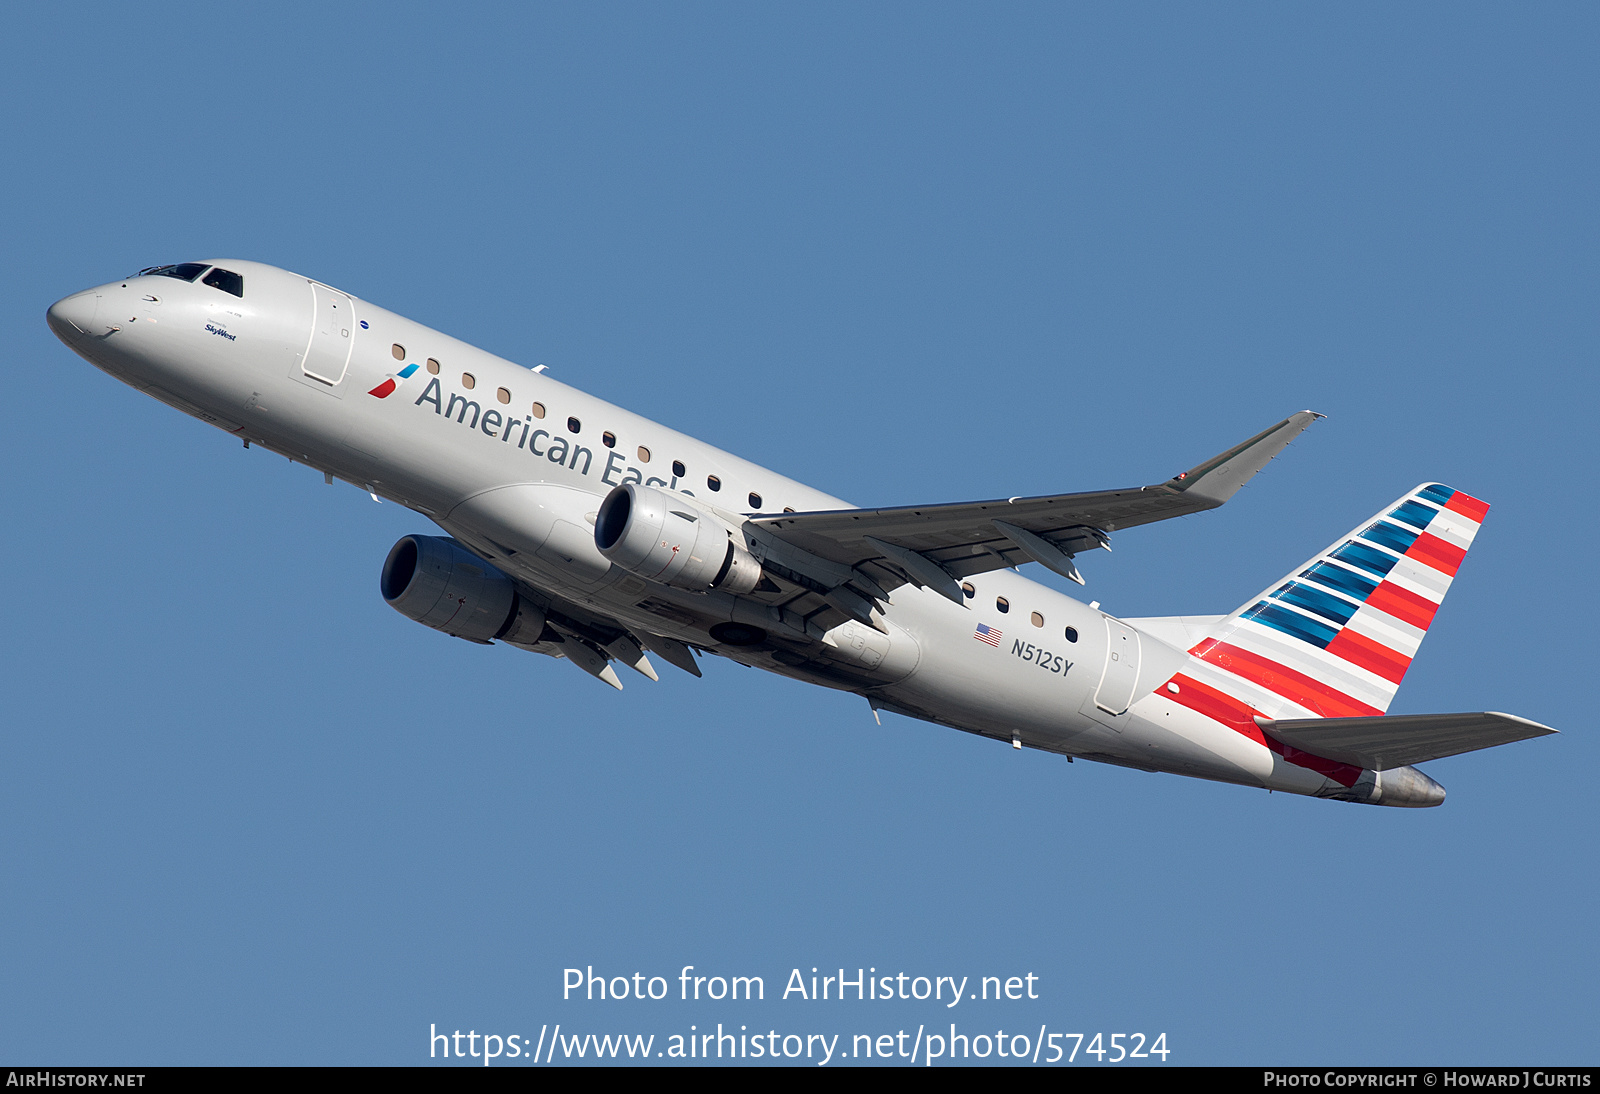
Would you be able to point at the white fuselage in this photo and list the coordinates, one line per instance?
(515, 464)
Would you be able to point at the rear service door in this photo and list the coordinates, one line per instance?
(1115, 694)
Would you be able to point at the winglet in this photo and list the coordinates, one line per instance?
(1220, 477)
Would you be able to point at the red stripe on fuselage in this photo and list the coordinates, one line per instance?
(1441, 555)
(1358, 649)
(1468, 506)
(1403, 604)
(1219, 706)
(1343, 774)
(1239, 716)
(1295, 686)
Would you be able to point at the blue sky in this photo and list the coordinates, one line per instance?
(907, 253)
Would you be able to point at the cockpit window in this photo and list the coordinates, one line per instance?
(226, 280)
(183, 271)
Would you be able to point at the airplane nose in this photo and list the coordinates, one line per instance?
(72, 317)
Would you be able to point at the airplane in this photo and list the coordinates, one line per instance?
(581, 531)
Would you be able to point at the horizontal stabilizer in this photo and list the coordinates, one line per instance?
(1384, 743)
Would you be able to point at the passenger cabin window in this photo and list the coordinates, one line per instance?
(967, 590)
(502, 394)
(1071, 634)
(1001, 604)
(433, 366)
(788, 508)
(755, 500)
(468, 381)
(1037, 619)
(538, 410)
(678, 469)
(226, 280)
(183, 271)
(609, 439)
(574, 426)
(398, 351)
(644, 454)
(713, 482)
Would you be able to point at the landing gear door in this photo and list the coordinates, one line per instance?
(1115, 693)
(333, 327)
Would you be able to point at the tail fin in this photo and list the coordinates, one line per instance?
(1335, 637)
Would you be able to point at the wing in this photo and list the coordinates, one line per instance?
(824, 568)
(935, 545)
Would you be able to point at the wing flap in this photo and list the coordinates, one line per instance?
(1397, 740)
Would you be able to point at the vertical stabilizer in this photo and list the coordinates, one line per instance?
(1334, 638)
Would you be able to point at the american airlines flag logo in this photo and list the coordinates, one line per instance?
(986, 633)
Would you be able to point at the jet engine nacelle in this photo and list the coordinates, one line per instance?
(673, 539)
(441, 585)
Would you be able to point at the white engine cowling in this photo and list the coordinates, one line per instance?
(441, 585)
(672, 539)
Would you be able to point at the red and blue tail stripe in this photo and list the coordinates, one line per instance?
(1335, 638)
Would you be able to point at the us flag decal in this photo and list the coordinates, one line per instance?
(986, 633)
